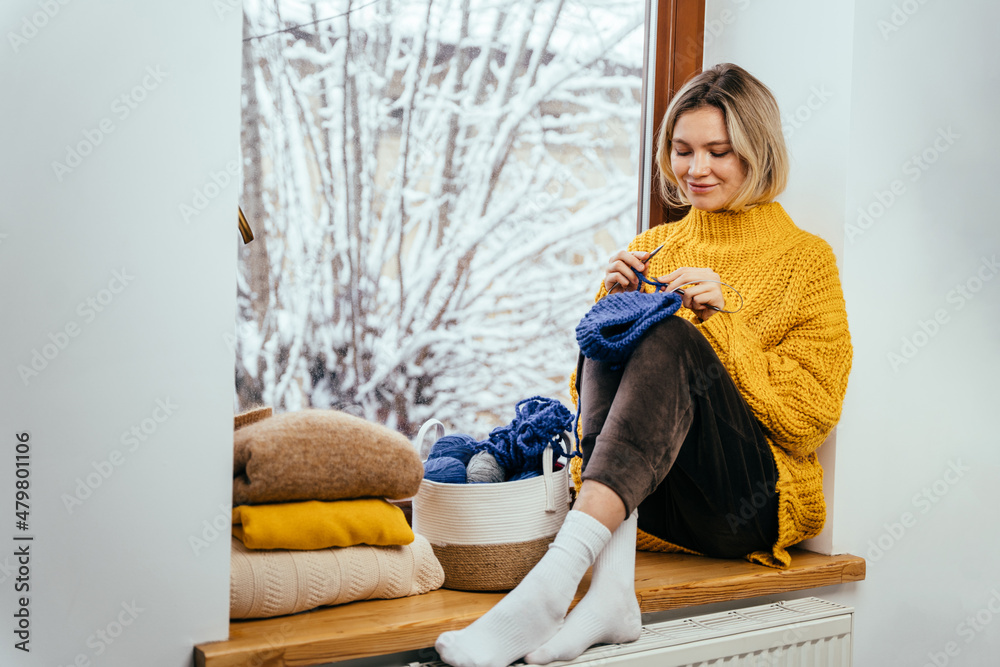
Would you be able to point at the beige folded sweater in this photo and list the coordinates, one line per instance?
(321, 455)
(277, 582)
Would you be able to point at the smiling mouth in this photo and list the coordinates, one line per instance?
(704, 187)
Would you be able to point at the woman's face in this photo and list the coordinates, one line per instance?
(708, 171)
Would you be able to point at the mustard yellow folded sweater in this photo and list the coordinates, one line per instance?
(319, 525)
(788, 351)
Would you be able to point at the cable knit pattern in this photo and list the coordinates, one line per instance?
(788, 351)
(275, 582)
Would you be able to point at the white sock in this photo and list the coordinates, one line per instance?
(609, 612)
(531, 613)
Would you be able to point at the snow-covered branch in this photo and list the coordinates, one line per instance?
(439, 183)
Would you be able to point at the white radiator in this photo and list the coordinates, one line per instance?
(799, 633)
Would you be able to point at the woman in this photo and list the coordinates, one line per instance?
(710, 428)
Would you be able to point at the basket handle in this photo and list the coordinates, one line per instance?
(422, 448)
(549, 477)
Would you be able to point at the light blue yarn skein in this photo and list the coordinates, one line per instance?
(483, 468)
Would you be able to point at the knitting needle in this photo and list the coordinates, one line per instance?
(681, 292)
(676, 290)
(656, 250)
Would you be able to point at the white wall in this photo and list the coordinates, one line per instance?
(115, 315)
(814, 95)
(917, 457)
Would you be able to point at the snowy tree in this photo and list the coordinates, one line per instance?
(436, 186)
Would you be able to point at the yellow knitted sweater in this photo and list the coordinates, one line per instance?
(788, 350)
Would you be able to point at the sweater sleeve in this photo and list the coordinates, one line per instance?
(796, 387)
(640, 242)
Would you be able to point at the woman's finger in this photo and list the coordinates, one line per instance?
(619, 278)
(706, 296)
(685, 275)
(673, 275)
(679, 282)
(620, 268)
(689, 276)
(633, 259)
(627, 264)
(616, 281)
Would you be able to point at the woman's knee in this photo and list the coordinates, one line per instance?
(675, 341)
(677, 333)
(674, 327)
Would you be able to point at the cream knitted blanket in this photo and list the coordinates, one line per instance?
(276, 582)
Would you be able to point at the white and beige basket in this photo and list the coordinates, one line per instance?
(488, 536)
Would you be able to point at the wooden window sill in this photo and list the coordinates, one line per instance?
(378, 627)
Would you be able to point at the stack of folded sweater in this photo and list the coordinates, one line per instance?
(311, 524)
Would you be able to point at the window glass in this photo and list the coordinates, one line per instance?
(436, 187)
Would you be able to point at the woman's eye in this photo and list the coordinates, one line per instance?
(722, 154)
(682, 153)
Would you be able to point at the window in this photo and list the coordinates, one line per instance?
(432, 184)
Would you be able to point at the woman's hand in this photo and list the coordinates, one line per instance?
(698, 297)
(622, 268)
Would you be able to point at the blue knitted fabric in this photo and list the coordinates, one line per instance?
(614, 325)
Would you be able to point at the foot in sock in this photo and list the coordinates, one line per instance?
(531, 613)
(609, 612)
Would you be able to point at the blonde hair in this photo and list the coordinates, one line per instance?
(754, 126)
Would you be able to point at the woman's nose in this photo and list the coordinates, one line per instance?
(699, 165)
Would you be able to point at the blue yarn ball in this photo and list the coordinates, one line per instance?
(458, 446)
(444, 469)
(525, 474)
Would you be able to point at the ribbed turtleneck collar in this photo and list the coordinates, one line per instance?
(761, 224)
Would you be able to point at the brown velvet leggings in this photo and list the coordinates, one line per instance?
(669, 432)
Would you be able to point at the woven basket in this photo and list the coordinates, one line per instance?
(488, 536)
